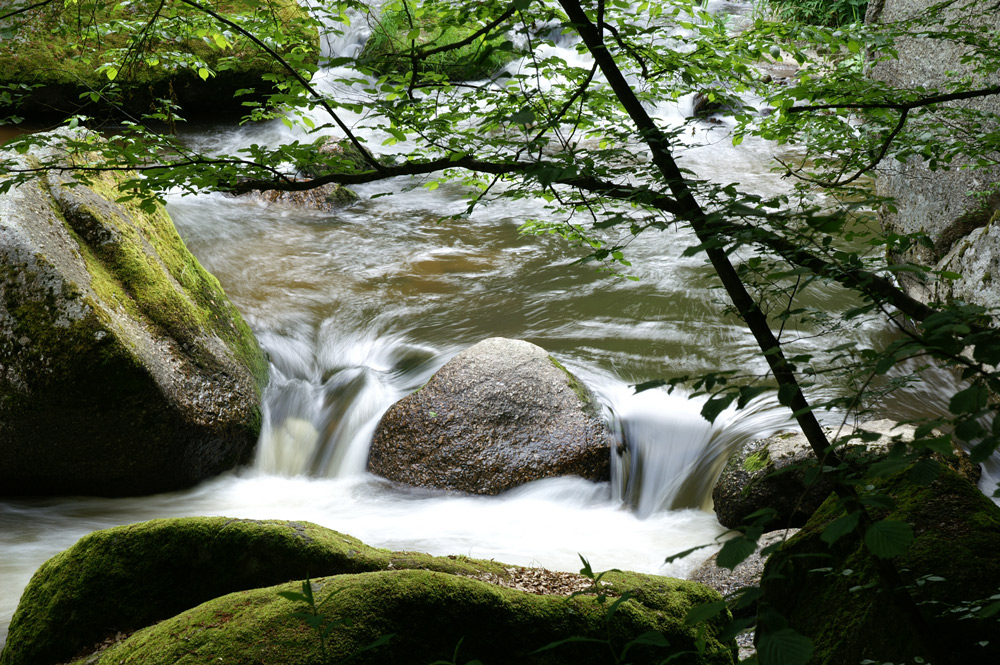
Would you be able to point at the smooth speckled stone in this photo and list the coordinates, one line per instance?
(500, 414)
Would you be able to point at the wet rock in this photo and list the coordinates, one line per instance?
(324, 198)
(832, 593)
(746, 574)
(124, 369)
(773, 473)
(782, 473)
(957, 206)
(498, 415)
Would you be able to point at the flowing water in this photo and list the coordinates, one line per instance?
(359, 307)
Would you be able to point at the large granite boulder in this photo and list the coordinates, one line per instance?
(499, 414)
(780, 472)
(832, 593)
(117, 581)
(65, 55)
(956, 207)
(124, 369)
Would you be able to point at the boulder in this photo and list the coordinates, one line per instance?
(55, 49)
(732, 583)
(832, 594)
(124, 369)
(416, 616)
(499, 414)
(115, 582)
(324, 198)
(121, 579)
(746, 574)
(773, 473)
(952, 206)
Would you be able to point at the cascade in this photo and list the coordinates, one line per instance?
(359, 307)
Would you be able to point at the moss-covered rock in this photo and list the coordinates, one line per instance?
(435, 24)
(124, 369)
(68, 53)
(431, 617)
(497, 415)
(832, 594)
(122, 579)
(781, 473)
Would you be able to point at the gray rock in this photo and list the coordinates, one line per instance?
(939, 202)
(500, 414)
(123, 367)
(771, 473)
(727, 582)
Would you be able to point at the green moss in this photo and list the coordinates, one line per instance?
(582, 392)
(140, 261)
(128, 577)
(387, 51)
(61, 45)
(757, 461)
(832, 593)
(125, 578)
(428, 613)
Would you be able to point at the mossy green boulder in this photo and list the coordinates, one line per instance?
(123, 579)
(422, 617)
(402, 29)
(115, 59)
(832, 594)
(125, 369)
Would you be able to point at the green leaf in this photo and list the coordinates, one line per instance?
(713, 407)
(784, 647)
(684, 553)
(888, 538)
(705, 611)
(990, 610)
(840, 527)
(111, 73)
(203, 73)
(523, 117)
(925, 471)
(735, 551)
(971, 400)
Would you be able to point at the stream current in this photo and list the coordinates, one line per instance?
(358, 307)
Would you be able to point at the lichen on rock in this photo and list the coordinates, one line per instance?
(124, 369)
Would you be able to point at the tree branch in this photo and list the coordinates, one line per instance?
(901, 106)
(22, 10)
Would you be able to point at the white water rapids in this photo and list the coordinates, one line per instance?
(359, 307)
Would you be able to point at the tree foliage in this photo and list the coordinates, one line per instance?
(581, 135)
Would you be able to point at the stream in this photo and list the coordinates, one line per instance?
(358, 307)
